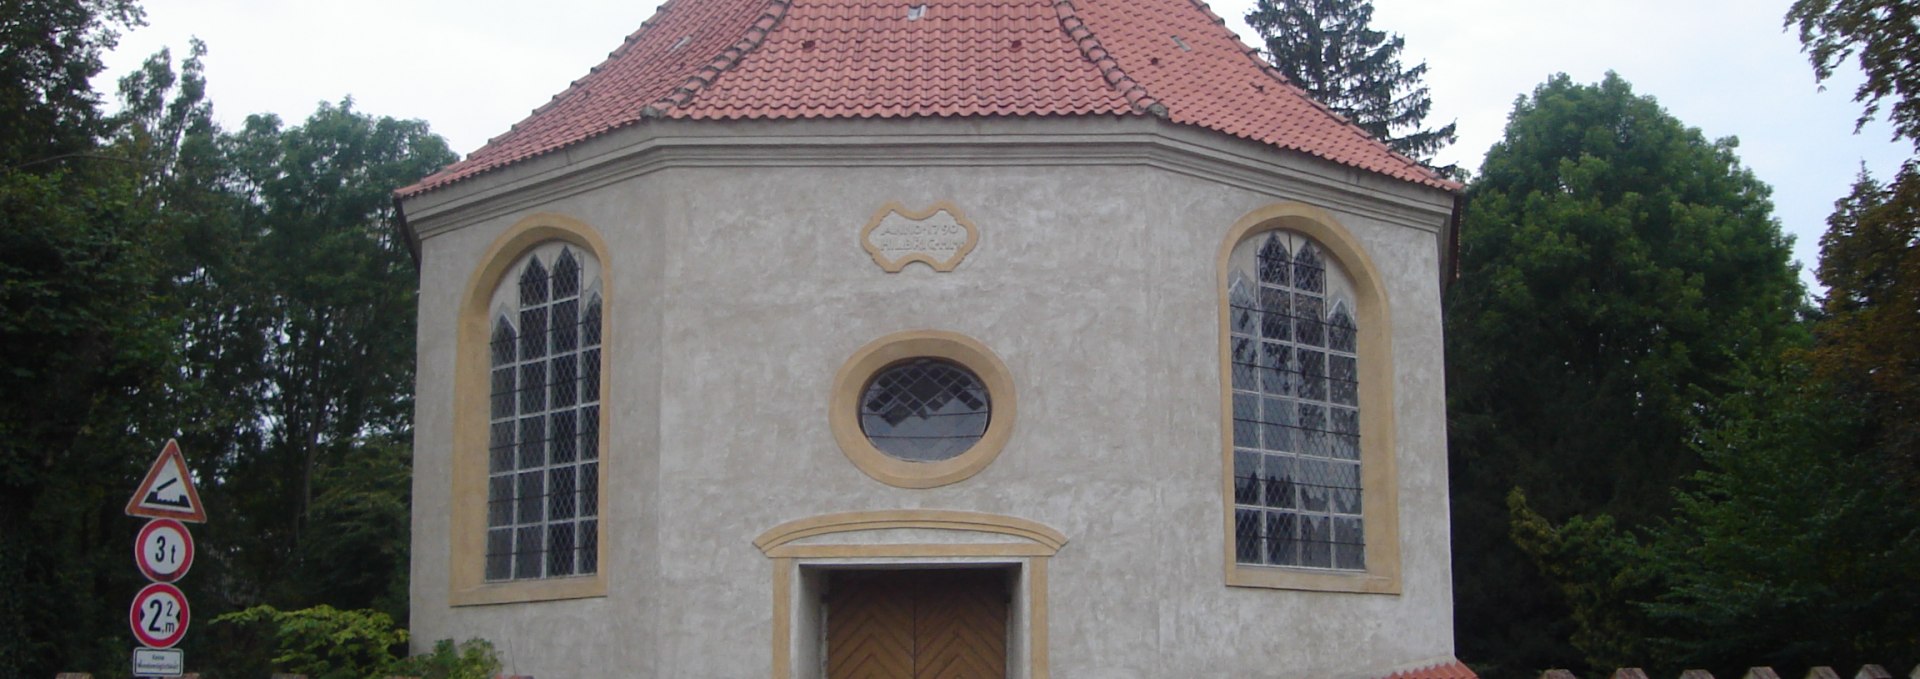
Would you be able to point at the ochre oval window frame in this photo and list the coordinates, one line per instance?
(843, 412)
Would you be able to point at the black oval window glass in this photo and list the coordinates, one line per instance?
(924, 410)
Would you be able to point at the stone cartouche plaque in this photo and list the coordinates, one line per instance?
(940, 236)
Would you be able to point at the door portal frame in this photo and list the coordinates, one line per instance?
(802, 551)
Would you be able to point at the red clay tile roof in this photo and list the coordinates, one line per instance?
(1452, 670)
(790, 59)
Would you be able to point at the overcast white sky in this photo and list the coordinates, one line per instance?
(472, 68)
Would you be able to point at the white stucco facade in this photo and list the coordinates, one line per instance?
(738, 287)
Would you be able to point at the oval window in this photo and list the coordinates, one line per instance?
(925, 410)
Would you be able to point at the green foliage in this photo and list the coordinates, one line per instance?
(1329, 49)
(1790, 549)
(1620, 275)
(160, 277)
(1597, 569)
(471, 659)
(320, 480)
(356, 549)
(323, 642)
(1884, 35)
(1869, 342)
(49, 50)
(86, 349)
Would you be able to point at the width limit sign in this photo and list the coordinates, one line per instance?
(159, 615)
(164, 552)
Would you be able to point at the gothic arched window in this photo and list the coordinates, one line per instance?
(543, 461)
(1295, 390)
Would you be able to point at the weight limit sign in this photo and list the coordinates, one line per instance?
(163, 550)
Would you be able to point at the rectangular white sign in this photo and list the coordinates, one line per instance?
(158, 662)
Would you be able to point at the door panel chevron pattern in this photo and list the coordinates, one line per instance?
(960, 628)
(869, 628)
(917, 625)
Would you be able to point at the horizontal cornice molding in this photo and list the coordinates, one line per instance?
(667, 145)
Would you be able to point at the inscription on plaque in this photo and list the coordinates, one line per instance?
(940, 236)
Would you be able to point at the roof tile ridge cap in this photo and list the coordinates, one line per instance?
(1082, 36)
(697, 83)
(1253, 54)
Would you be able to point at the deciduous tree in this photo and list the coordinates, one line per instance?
(1869, 341)
(1619, 275)
(1791, 548)
(1883, 37)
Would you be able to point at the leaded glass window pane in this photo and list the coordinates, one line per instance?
(1245, 307)
(1276, 374)
(1293, 344)
(503, 343)
(566, 436)
(560, 549)
(1247, 368)
(1343, 382)
(533, 284)
(1308, 321)
(590, 489)
(1246, 420)
(504, 386)
(1346, 433)
(543, 481)
(1342, 334)
(527, 550)
(590, 327)
(533, 442)
(1282, 492)
(533, 333)
(590, 433)
(1247, 477)
(1349, 545)
(1283, 538)
(566, 275)
(1309, 271)
(1277, 431)
(1313, 484)
(564, 381)
(533, 386)
(500, 554)
(1274, 261)
(1276, 312)
(500, 448)
(1248, 535)
(566, 326)
(500, 506)
(924, 410)
(588, 551)
(1316, 545)
(1312, 367)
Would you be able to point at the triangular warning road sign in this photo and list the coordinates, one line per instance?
(167, 492)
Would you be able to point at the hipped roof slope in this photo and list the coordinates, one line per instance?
(796, 59)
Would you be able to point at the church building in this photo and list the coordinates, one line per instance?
(889, 339)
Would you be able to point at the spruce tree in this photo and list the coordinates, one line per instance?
(1329, 49)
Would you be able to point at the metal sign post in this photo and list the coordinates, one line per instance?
(164, 553)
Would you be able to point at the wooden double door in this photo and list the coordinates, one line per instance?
(917, 624)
